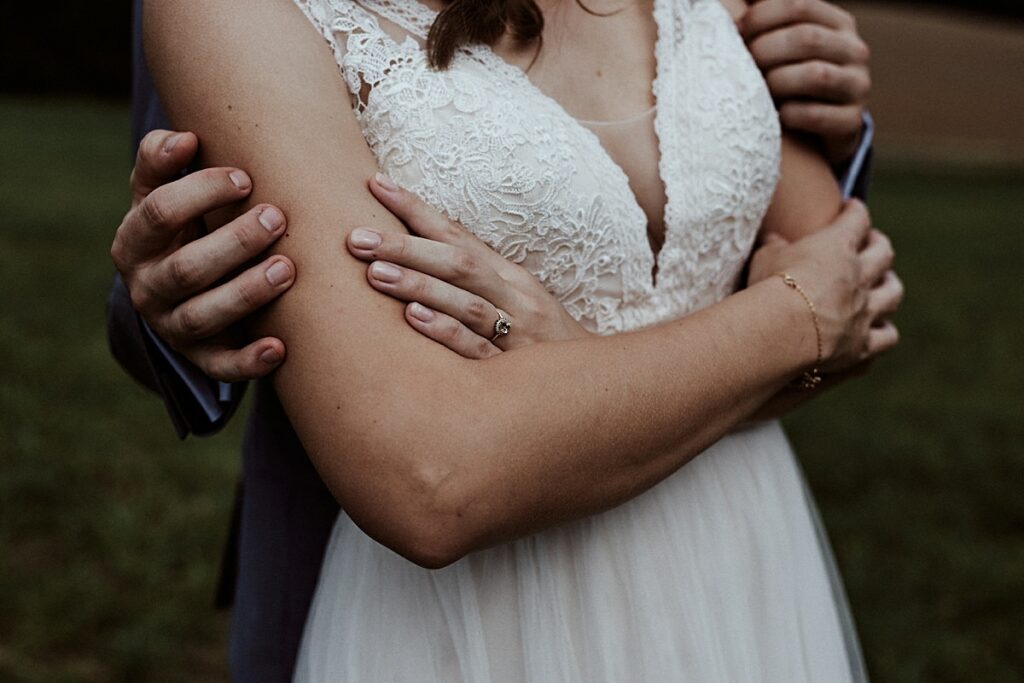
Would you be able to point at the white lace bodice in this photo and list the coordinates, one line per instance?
(482, 143)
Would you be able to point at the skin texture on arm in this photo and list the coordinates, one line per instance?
(432, 454)
(807, 197)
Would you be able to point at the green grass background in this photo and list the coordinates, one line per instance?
(111, 530)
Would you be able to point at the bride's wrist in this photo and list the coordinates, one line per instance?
(796, 325)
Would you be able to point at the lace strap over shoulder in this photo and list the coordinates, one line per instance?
(411, 15)
(336, 19)
(363, 48)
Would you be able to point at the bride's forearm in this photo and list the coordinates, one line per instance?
(553, 432)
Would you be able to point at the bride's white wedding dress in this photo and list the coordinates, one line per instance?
(719, 573)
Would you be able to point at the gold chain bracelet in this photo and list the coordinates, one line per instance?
(810, 380)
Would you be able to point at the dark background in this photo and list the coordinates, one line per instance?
(83, 48)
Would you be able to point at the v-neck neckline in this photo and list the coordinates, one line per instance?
(419, 21)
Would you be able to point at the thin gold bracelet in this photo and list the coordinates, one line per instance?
(810, 379)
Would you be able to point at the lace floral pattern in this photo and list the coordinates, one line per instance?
(481, 143)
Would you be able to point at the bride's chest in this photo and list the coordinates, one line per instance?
(481, 142)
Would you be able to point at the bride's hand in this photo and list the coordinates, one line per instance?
(453, 283)
(845, 270)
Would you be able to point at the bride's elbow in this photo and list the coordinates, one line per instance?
(427, 519)
(431, 548)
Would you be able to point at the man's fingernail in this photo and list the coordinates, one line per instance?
(385, 182)
(278, 274)
(362, 238)
(240, 179)
(420, 312)
(271, 219)
(171, 143)
(271, 357)
(385, 272)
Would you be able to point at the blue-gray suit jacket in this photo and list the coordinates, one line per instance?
(284, 513)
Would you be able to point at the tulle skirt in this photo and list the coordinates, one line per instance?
(719, 573)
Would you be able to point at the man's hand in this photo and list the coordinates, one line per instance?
(816, 65)
(185, 284)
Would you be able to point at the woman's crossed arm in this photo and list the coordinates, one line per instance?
(432, 454)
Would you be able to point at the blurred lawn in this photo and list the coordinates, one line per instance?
(111, 530)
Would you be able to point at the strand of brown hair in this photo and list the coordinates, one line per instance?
(469, 22)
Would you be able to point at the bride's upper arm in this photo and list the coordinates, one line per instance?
(260, 87)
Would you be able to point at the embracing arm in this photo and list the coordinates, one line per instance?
(792, 217)
(432, 454)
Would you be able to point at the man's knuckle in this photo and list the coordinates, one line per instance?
(185, 273)
(900, 290)
(207, 362)
(849, 118)
(249, 296)
(800, 116)
(801, 9)
(247, 239)
(822, 75)
(861, 52)
(810, 38)
(191, 322)
(117, 250)
(814, 116)
(862, 86)
(155, 211)
(888, 252)
(228, 367)
(140, 298)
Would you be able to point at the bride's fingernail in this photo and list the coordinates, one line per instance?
(385, 272)
(385, 182)
(362, 238)
(421, 313)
